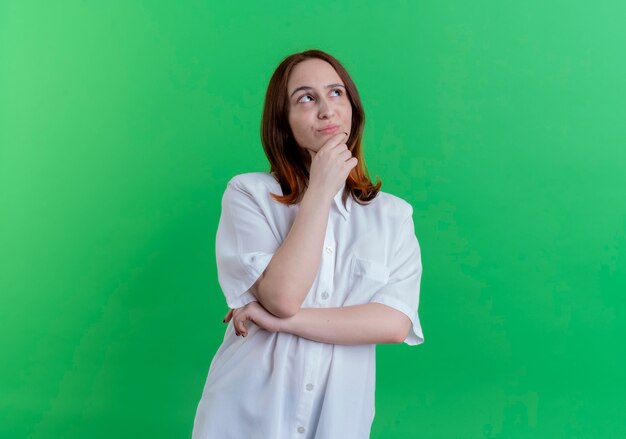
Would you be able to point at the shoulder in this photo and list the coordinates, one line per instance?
(254, 183)
(392, 206)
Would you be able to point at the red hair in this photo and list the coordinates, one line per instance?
(288, 161)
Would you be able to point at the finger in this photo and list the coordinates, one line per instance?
(345, 155)
(335, 140)
(352, 162)
(235, 327)
(229, 315)
(244, 330)
(338, 139)
(236, 317)
(239, 326)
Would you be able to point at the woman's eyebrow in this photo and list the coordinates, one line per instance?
(306, 87)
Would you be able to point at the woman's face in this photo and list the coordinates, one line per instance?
(318, 104)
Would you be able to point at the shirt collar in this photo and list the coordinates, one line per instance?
(343, 210)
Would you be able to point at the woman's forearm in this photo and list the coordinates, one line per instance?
(288, 277)
(291, 272)
(371, 323)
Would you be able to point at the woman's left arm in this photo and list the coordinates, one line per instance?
(370, 323)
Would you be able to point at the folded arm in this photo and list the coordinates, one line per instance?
(371, 323)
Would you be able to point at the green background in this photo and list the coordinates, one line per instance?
(502, 124)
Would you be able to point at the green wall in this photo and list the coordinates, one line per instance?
(502, 124)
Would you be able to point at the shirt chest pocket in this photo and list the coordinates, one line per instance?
(366, 278)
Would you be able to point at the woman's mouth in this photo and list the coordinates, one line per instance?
(330, 129)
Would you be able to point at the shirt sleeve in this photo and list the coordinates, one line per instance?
(245, 244)
(403, 289)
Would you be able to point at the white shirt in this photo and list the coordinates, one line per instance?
(279, 385)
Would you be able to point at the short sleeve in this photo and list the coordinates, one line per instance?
(245, 243)
(403, 289)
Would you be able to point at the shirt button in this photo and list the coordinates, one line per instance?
(324, 295)
(301, 429)
(309, 387)
(329, 250)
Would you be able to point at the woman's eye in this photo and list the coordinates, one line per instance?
(303, 98)
(338, 91)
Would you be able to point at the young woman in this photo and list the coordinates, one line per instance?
(317, 265)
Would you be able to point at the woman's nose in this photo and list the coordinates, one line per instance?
(326, 109)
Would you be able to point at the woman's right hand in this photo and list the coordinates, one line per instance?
(331, 165)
